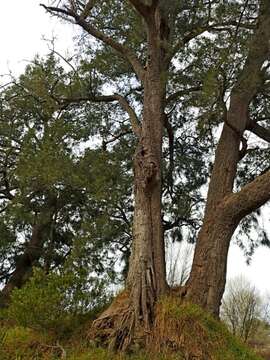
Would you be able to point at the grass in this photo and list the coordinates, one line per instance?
(181, 332)
(190, 331)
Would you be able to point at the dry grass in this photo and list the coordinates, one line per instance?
(265, 354)
(187, 330)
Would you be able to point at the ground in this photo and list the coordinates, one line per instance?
(181, 332)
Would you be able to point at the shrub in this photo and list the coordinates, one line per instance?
(53, 302)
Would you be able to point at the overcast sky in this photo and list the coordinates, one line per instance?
(23, 24)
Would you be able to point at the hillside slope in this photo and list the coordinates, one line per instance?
(181, 332)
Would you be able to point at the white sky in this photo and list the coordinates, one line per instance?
(23, 23)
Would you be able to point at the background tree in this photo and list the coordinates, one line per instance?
(242, 308)
(54, 196)
(179, 262)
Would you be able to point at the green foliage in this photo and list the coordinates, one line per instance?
(46, 157)
(43, 141)
(53, 302)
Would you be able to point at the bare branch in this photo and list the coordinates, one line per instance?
(121, 49)
(223, 26)
(114, 138)
(53, 9)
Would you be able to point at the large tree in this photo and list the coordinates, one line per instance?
(156, 48)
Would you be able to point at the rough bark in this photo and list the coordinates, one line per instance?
(146, 277)
(146, 280)
(208, 276)
(25, 262)
(224, 209)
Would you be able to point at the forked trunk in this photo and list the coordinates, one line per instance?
(208, 274)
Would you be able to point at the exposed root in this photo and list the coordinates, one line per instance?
(127, 322)
(123, 334)
(115, 326)
(119, 327)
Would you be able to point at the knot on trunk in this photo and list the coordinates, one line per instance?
(146, 167)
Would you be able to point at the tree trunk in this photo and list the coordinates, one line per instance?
(208, 276)
(146, 277)
(146, 280)
(225, 209)
(25, 262)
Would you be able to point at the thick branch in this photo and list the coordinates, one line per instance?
(121, 49)
(251, 197)
(236, 121)
(132, 115)
(260, 131)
